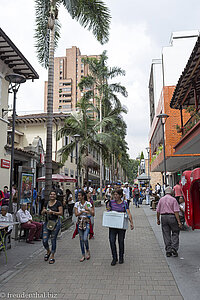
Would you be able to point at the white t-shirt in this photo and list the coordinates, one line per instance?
(126, 192)
(70, 201)
(81, 207)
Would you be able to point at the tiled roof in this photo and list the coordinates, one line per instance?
(14, 59)
(39, 118)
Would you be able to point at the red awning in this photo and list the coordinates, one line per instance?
(59, 178)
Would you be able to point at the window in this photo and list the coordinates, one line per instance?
(66, 140)
(81, 71)
(67, 89)
(72, 153)
(66, 95)
(82, 65)
(66, 171)
(66, 83)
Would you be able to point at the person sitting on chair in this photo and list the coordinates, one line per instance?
(6, 217)
(26, 221)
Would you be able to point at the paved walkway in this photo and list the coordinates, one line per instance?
(144, 275)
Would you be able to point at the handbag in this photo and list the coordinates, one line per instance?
(51, 224)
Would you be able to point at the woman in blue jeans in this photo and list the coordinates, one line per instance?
(120, 206)
(83, 209)
(52, 211)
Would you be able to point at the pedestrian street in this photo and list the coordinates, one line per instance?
(144, 275)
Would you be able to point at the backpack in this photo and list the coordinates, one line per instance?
(136, 192)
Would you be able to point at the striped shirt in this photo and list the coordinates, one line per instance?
(118, 207)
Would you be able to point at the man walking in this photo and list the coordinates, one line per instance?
(126, 192)
(169, 209)
(136, 195)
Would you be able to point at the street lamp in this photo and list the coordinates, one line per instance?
(148, 151)
(77, 138)
(163, 118)
(15, 80)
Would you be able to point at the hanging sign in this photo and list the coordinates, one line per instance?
(5, 164)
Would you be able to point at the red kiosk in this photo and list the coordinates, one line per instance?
(190, 182)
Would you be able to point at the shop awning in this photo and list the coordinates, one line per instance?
(58, 178)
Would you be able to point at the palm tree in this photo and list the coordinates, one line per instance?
(83, 124)
(107, 100)
(91, 14)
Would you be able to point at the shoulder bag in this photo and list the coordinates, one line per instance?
(51, 224)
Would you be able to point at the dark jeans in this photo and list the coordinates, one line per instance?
(113, 232)
(136, 200)
(70, 209)
(51, 233)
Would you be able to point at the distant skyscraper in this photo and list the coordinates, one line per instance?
(68, 71)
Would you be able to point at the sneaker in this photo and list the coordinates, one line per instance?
(174, 252)
(168, 254)
(113, 263)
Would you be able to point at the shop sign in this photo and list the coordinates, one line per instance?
(5, 164)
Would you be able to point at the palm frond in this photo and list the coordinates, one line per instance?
(66, 150)
(118, 88)
(42, 32)
(92, 14)
(116, 71)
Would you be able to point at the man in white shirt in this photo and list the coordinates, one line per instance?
(6, 217)
(126, 192)
(25, 218)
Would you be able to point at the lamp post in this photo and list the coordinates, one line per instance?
(163, 118)
(77, 137)
(148, 151)
(15, 80)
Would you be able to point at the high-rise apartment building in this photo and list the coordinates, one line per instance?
(68, 71)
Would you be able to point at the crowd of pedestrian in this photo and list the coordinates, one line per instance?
(170, 214)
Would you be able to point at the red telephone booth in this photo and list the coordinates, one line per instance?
(185, 184)
(190, 182)
(195, 197)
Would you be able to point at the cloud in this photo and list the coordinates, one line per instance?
(139, 30)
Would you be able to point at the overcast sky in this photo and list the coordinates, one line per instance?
(139, 30)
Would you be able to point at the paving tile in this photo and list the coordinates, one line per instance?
(145, 274)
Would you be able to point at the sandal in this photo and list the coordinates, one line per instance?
(46, 257)
(82, 259)
(51, 261)
(88, 256)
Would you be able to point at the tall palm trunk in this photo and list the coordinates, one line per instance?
(48, 171)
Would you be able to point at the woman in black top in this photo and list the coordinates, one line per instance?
(52, 210)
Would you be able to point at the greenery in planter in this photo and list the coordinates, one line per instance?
(156, 154)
